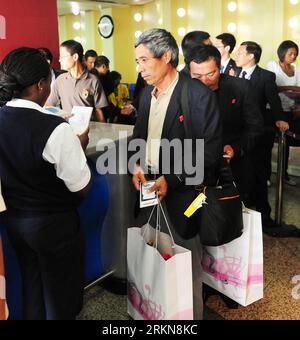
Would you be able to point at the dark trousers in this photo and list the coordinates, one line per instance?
(50, 250)
(260, 164)
(240, 173)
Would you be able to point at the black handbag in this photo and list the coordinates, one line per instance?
(220, 220)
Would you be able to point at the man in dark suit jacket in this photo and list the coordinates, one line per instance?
(241, 118)
(225, 43)
(263, 81)
(160, 117)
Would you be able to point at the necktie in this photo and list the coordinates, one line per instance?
(244, 73)
(222, 69)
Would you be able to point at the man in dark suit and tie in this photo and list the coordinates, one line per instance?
(263, 81)
(225, 43)
(160, 118)
(241, 118)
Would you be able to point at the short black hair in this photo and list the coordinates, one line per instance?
(102, 60)
(115, 75)
(90, 53)
(228, 39)
(201, 54)
(253, 48)
(284, 47)
(193, 39)
(74, 47)
(46, 53)
(20, 69)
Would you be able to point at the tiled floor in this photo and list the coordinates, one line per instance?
(282, 263)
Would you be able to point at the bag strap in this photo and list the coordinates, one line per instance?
(158, 224)
(187, 122)
(186, 109)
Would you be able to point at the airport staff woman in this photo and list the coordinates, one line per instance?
(44, 174)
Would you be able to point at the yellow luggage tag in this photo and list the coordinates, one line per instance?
(197, 204)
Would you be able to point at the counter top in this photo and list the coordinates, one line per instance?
(107, 131)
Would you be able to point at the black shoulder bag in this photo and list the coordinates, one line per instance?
(220, 220)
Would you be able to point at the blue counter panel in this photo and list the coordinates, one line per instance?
(92, 214)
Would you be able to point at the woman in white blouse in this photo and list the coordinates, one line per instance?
(288, 82)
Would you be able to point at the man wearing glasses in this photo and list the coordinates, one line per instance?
(160, 117)
(225, 43)
(241, 118)
(78, 87)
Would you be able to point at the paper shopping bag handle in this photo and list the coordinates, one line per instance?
(158, 224)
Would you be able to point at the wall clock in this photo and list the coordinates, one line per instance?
(106, 26)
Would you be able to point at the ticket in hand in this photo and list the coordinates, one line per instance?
(148, 199)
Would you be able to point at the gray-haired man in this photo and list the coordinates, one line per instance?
(160, 117)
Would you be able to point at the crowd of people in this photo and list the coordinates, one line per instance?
(236, 108)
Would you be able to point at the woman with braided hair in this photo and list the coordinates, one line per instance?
(44, 174)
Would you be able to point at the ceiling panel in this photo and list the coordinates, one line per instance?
(65, 6)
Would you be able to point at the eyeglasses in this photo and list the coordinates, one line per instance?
(143, 61)
(209, 75)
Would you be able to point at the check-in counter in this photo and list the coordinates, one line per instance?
(105, 214)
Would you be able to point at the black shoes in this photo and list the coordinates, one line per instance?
(270, 228)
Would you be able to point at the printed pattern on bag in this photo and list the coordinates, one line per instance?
(228, 270)
(154, 283)
(236, 269)
(148, 309)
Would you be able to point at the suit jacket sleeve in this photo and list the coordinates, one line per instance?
(252, 121)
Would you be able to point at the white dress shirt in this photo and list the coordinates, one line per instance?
(248, 71)
(224, 66)
(158, 110)
(63, 150)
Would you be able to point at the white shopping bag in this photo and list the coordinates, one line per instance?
(236, 268)
(158, 289)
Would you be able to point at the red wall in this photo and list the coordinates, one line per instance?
(32, 23)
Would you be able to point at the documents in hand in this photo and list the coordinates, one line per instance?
(79, 121)
(148, 199)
